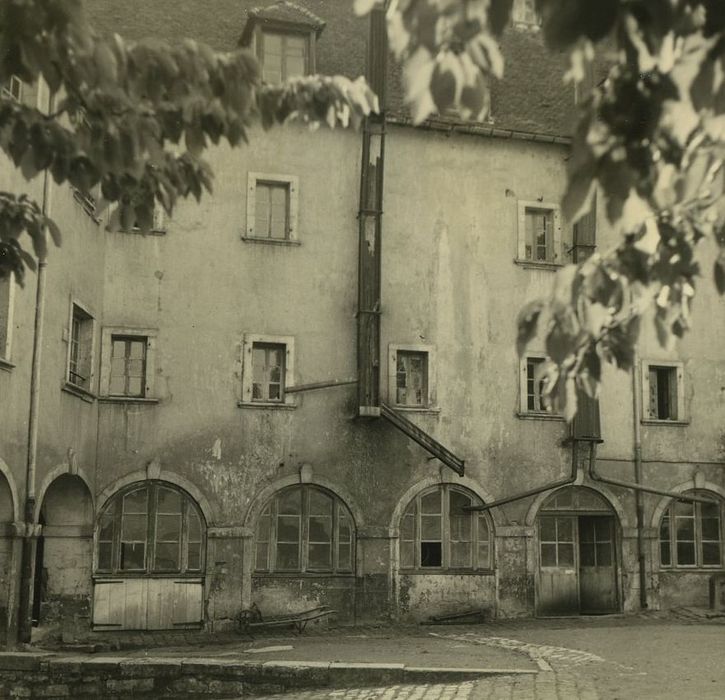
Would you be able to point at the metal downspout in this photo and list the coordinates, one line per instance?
(637, 418)
(27, 572)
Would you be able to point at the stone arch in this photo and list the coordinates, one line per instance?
(54, 474)
(260, 500)
(10, 501)
(601, 490)
(210, 515)
(691, 485)
(429, 481)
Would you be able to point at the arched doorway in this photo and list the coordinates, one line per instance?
(578, 555)
(7, 517)
(150, 559)
(64, 550)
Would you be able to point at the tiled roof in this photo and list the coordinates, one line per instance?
(531, 97)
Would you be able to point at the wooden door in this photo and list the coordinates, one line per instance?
(558, 587)
(597, 571)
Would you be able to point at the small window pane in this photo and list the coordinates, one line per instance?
(288, 528)
(565, 530)
(344, 557)
(586, 554)
(665, 555)
(431, 503)
(319, 556)
(604, 554)
(194, 526)
(547, 529)
(167, 556)
(566, 555)
(290, 502)
(133, 528)
(431, 554)
(710, 528)
(430, 526)
(133, 556)
(194, 558)
(407, 555)
(288, 557)
(686, 553)
(320, 503)
(685, 528)
(136, 501)
(548, 554)
(407, 527)
(320, 529)
(344, 529)
(711, 553)
(105, 552)
(461, 554)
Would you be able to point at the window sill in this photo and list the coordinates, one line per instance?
(417, 409)
(656, 421)
(81, 393)
(127, 399)
(194, 576)
(447, 572)
(267, 405)
(540, 416)
(302, 574)
(692, 569)
(150, 232)
(271, 241)
(6, 365)
(538, 264)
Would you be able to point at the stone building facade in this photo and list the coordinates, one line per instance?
(190, 464)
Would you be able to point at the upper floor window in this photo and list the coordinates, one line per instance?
(305, 529)
(13, 88)
(663, 391)
(283, 55)
(539, 233)
(268, 363)
(524, 12)
(437, 533)
(153, 528)
(127, 362)
(272, 204)
(80, 350)
(7, 294)
(532, 385)
(691, 534)
(411, 376)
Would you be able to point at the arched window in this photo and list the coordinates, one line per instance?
(691, 534)
(437, 533)
(305, 529)
(151, 528)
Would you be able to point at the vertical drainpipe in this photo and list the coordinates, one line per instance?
(27, 571)
(637, 418)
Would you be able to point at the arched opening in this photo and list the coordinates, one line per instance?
(64, 551)
(446, 559)
(578, 554)
(304, 552)
(7, 517)
(149, 559)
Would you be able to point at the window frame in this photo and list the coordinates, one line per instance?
(670, 515)
(75, 305)
(248, 343)
(284, 30)
(274, 179)
(678, 368)
(524, 411)
(557, 251)
(7, 89)
(7, 317)
(430, 403)
(444, 490)
(150, 335)
(115, 502)
(271, 511)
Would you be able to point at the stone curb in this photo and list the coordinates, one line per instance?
(38, 674)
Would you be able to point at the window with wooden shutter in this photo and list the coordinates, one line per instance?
(412, 376)
(663, 391)
(80, 351)
(272, 208)
(7, 299)
(540, 235)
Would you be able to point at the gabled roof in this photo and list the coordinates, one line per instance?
(282, 12)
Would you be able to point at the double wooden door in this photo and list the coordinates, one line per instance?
(577, 565)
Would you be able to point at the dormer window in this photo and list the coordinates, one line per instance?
(284, 36)
(282, 55)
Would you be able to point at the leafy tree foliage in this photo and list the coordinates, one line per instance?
(650, 141)
(135, 117)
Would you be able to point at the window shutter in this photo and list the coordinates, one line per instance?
(522, 232)
(672, 376)
(652, 376)
(251, 202)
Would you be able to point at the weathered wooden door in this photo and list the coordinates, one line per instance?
(597, 574)
(558, 587)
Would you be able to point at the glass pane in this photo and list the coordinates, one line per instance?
(290, 502)
(565, 529)
(133, 528)
(133, 555)
(169, 501)
(430, 526)
(483, 532)
(461, 527)
(665, 528)
(431, 503)
(686, 553)
(274, 392)
(586, 530)
(261, 558)
(118, 349)
(685, 508)
(461, 554)
(288, 528)
(586, 554)
(547, 529)
(344, 554)
(407, 555)
(710, 529)
(288, 557)
(194, 526)
(105, 528)
(319, 556)
(168, 528)
(136, 501)
(194, 558)
(105, 552)
(458, 501)
(566, 555)
(685, 528)
(484, 555)
(407, 527)
(258, 364)
(548, 555)
(117, 385)
(137, 349)
(167, 556)
(344, 529)
(710, 510)
(320, 529)
(711, 553)
(665, 554)
(263, 528)
(320, 503)
(135, 386)
(431, 554)
(604, 554)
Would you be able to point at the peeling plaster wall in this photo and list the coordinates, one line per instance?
(424, 595)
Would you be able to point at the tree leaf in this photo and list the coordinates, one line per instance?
(719, 273)
(527, 323)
